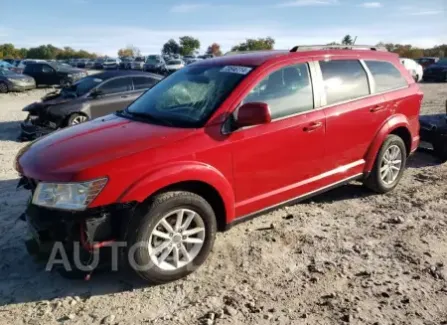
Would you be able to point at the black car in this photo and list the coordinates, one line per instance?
(89, 98)
(434, 131)
(98, 65)
(437, 71)
(11, 81)
(45, 73)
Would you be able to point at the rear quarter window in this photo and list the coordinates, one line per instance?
(386, 75)
(344, 80)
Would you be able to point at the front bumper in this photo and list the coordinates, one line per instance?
(31, 128)
(21, 87)
(435, 75)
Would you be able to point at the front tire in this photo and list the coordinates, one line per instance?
(170, 237)
(75, 119)
(389, 165)
(3, 88)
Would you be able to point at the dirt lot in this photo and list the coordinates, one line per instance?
(345, 257)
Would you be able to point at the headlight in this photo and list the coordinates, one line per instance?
(68, 196)
(69, 75)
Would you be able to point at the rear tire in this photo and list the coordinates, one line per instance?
(389, 165)
(440, 150)
(3, 88)
(184, 250)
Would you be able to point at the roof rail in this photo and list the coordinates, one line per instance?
(250, 52)
(337, 47)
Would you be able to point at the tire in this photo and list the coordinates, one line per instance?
(3, 88)
(64, 83)
(140, 237)
(76, 118)
(375, 180)
(440, 150)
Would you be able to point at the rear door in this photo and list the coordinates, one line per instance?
(353, 113)
(115, 94)
(49, 75)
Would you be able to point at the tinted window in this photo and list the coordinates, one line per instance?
(143, 82)
(287, 91)
(116, 86)
(47, 69)
(344, 80)
(386, 75)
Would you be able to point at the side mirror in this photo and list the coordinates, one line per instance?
(253, 114)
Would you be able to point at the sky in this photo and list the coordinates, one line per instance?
(104, 26)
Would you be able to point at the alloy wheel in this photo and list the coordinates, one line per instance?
(79, 119)
(391, 165)
(177, 239)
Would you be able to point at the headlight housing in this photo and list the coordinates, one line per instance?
(68, 196)
(69, 75)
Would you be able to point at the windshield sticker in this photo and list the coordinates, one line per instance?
(236, 69)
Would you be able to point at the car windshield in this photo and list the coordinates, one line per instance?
(153, 59)
(5, 64)
(4, 72)
(84, 85)
(442, 62)
(188, 97)
(139, 59)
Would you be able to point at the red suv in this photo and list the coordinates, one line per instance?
(216, 143)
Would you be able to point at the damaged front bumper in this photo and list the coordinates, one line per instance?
(434, 131)
(89, 229)
(32, 128)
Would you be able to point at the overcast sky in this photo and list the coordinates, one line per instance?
(105, 26)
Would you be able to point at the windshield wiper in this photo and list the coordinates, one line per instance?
(146, 116)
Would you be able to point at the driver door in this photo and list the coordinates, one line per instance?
(49, 75)
(113, 95)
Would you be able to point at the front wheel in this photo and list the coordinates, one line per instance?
(3, 88)
(171, 237)
(75, 119)
(389, 165)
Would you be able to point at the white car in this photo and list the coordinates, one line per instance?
(174, 65)
(416, 70)
(111, 64)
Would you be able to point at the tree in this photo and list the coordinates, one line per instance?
(188, 45)
(255, 44)
(214, 49)
(130, 50)
(347, 40)
(171, 47)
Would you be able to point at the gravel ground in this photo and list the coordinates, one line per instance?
(347, 256)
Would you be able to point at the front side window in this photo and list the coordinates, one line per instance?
(47, 69)
(386, 75)
(344, 80)
(287, 91)
(116, 86)
(143, 82)
(188, 97)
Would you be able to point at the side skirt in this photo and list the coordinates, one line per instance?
(293, 201)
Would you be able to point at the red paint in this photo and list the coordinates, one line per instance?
(252, 168)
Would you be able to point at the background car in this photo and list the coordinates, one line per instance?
(125, 62)
(90, 97)
(11, 81)
(174, 65)
(45, 73)
(415, 69)
(437, 71)
(137, 63)
(111, 64)
(98, 65)
(427, 61)
(155, 63)
(189, 59)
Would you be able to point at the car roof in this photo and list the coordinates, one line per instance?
(117, 73)
(256, 58)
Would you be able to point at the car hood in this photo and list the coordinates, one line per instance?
(19, 77)
(51, 100)
(59, 156)
(69, 70)
(437, 66)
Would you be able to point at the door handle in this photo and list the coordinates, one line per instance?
(313, 126)
(376, 108)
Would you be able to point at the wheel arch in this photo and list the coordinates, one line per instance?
(198, 178)
(397, 125)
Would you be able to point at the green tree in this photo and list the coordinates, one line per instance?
(171, 47)
(130, 50)
(347, 40)
(255, 44)
(188, 45)
(214, 49)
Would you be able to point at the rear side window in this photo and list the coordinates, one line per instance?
(386, 75)
(344, 80)
(287, 91)
(143, 82)
(116, 85)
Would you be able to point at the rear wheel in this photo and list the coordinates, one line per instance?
(171, 237)
(389, 165)
(440, 150)
(3, 88)
(76, 119)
